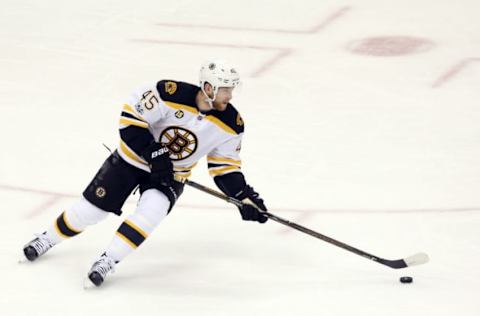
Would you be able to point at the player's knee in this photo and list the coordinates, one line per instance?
(86, 213)
(153, 206)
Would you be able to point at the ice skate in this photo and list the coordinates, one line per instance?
(37, 247)
(100, 269)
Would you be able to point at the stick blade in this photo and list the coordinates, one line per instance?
(413, 260)
(416, 259)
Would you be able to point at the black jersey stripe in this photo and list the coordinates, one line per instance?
(229, 119)
(129, 119)
(216, 165)
(184, 97)
(136, 138)
(125, 114)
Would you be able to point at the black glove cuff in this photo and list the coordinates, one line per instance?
(244, 193)
(249, 193)
(154, 151)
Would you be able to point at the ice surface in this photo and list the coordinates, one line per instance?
(365, 149)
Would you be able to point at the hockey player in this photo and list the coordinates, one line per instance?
(165, 129)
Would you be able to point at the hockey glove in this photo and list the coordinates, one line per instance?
(248, 211)
(157, 155)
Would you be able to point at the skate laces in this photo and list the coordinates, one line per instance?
(103, 266)
(41, 244)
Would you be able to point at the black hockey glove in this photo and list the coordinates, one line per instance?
(248, 211)
(161, 167)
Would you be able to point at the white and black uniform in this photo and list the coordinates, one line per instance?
(167, 113)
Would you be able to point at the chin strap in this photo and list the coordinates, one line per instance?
(208, 99)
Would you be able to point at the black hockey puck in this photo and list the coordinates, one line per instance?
(406, 279)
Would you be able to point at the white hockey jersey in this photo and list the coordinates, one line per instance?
(168, 111)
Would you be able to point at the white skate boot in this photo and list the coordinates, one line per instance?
(100, 269)
(37, 247)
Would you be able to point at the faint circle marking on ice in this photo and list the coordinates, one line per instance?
(390, 45)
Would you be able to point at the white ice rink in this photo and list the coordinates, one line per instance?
(362, 122)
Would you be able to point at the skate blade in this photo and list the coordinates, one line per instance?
(22, 259)
(88, 285)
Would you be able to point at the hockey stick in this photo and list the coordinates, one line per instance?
(413, 260)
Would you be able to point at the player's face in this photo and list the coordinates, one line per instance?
(224, 95)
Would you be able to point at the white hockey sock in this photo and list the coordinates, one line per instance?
(74, 220)
(151, 209)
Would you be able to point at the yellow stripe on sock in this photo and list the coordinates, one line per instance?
(138, 229)
(126, 240)
(70, 226)
(57, 229)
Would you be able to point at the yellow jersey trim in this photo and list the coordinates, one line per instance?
(211, 159)
(221, 171)
(179, 106)
(213, 119)
(178, 175)
(220, 124)
(128, 109)
(177, 168)
(130, 121)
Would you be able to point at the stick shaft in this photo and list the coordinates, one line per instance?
(391, 263)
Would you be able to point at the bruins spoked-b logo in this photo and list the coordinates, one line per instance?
(100, 192)
(179, 114)
(180, 142)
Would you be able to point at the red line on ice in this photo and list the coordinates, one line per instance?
(268, 64)
(453, 71)
(336, 15)
(206, 44)
(307, 212)
(280, 52)
(271, 62)
(323, 24)
(36, 191)
(43, 206)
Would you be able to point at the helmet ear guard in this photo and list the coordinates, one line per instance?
(217, 73)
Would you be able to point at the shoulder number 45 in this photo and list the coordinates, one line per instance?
(149, 100)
